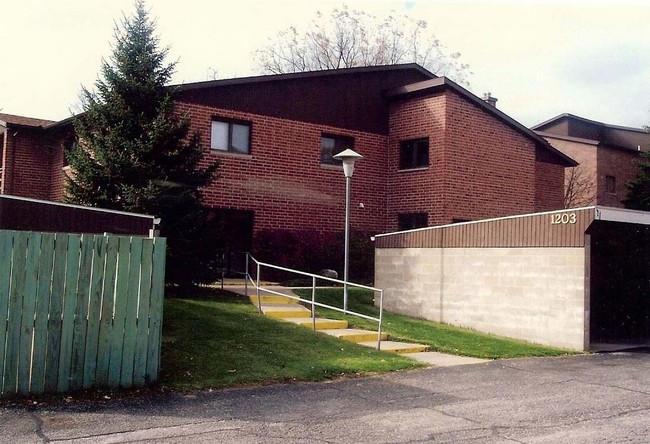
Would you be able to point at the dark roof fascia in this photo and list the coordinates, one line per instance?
(80, 207)
(568, 138)
(6, 121)
(299, 75)
(61, 123)
(593, 122)
(431, 86)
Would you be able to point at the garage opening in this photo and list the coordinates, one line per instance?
(619, 285)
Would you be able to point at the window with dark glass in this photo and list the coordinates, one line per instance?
(331, 145)
(69, 147)
(414, 154)
(229, 136)
(411, 221)
(610, 184)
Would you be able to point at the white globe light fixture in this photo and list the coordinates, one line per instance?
(348, 157)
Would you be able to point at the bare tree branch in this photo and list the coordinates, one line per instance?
(347, 38)
(578, 188)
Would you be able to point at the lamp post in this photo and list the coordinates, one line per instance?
(348, 157)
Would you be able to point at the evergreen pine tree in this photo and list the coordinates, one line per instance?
(135, 152)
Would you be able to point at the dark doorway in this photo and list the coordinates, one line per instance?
(619, 283)
(236, 229)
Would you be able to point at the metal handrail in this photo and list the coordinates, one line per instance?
(256, 283)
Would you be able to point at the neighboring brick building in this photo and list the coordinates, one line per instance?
(433, 152)
(605, 153)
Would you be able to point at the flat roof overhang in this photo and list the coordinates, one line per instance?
(561, 228)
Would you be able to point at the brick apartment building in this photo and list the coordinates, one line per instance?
(433, 152)
(606, 155)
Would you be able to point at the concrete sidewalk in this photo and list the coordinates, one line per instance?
(433, 359)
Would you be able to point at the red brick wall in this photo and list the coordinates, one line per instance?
(57, 190)
(620, 164)
(283, 181)
(418, 190)
(549, 181)
(490, 166)
(4, 139)
(585, 154)
(478, 166)
(27, 164)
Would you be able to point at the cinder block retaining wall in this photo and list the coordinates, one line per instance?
(533, 294)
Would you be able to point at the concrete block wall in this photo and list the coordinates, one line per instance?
(532, 294)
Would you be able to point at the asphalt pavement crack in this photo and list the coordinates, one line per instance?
(38, 422)
(146, 429)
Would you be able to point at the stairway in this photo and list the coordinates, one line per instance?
(286, 309)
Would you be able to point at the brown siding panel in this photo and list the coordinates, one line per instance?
(29, 215)
(535, 230)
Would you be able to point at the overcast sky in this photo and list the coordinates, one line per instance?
(539, 58)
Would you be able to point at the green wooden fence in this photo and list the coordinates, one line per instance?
(79, 311)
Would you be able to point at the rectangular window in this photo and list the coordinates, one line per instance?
(414, 154)
(610, 184)
(411, 221)
(233, 137)
(331, 145)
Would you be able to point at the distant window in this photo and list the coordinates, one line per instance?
(410, 221)
(233, 137)
(331, 145)
(610, 184)
(458, 221)
(414, 154)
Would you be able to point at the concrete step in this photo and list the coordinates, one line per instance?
(286, 311)
(321, 323)
(397, 347)
(271, 299)
(355, 334)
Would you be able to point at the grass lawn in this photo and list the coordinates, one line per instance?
(440, 337)
(222, 341)
(219, 340)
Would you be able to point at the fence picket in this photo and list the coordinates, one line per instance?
(140, 361)
(106, 322)
(157, 297)
(55, 322)
(6, 248)
(44, 283)
(81, 313)
(29, 305)
(69, 308)
(94, 309)
(121, 294)
(130, 324)
(16, 291)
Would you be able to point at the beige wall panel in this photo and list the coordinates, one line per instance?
(533, 294)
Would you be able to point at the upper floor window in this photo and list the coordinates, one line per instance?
(231, 136)
(411, 221)
(610, 184)
(68, 147)
(331, 145)
(414, 154)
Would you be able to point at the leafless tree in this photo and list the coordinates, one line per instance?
(348, 38)
(579, 188)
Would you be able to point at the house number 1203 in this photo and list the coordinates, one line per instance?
(563, 218)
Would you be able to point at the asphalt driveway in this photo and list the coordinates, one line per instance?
(579, 399)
